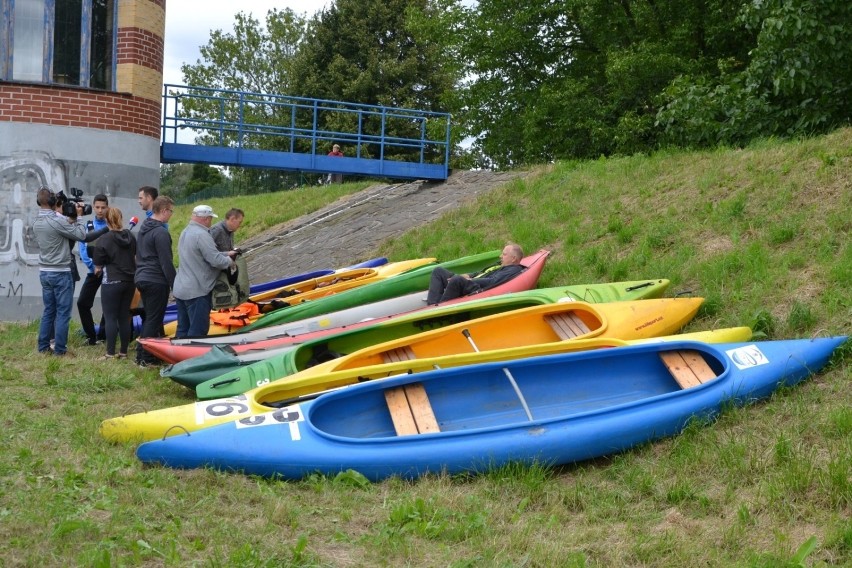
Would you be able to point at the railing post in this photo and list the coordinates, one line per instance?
(360, 131)
(422, 139)
(382, 142)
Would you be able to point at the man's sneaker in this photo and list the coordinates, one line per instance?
(65, 354)
(148, 365)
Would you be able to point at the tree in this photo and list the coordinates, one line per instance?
(547, 79)
(364, 51)
(252, 59)
(204, 177)
(173, 178)
(798, 79)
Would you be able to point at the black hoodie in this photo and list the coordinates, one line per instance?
(116, 252)
(154, 260)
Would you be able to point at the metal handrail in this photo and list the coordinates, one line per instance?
(237, 125)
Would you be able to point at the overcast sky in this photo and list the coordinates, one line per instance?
(189, 22)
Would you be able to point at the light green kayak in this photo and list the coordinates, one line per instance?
(249, 370)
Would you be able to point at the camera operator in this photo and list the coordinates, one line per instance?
(92, 282)
(55, 234)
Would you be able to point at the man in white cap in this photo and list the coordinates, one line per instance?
(200, 264)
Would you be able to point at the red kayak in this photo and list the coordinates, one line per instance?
(173, 351)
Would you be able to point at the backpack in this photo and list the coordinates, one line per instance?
(231, 288)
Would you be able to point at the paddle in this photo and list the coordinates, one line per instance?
(509, 376)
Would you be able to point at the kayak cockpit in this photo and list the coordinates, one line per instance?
(542, 389)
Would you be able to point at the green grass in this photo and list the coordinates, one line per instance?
(763, 233)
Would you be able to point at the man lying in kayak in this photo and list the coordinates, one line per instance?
(444, 285)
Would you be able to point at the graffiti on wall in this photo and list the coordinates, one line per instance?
(21, 176)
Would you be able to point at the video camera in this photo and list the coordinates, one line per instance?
(69, 204)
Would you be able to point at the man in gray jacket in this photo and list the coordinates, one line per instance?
(200, 264)
(53, 233)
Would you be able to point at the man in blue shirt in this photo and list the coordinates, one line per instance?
(86, 300)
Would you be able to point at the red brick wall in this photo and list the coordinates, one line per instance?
(85, 108)
(141, 47)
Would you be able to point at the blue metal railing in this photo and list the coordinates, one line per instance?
(285, 132)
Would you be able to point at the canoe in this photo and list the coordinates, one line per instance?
(172, 350)
(171, 309)
(190, 358)
(551, 410)
(517, 328)
(227, 321)
(409, 282)
(203, 414)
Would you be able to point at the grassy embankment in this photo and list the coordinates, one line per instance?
(763, 233)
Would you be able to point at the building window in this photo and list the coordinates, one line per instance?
(69, 42)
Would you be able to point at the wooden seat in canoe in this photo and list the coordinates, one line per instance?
(687, 367)
(403, 353)
(567, 325)
(410, 410)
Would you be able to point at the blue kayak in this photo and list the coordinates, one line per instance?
(554, 410)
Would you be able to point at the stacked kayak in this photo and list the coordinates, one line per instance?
(205, 361)
(226, 321)
(173, 350)
(202, 414)
(553, 410)
(553, 323)
(412, 281)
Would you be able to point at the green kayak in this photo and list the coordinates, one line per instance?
(414, 280)
(245, 374)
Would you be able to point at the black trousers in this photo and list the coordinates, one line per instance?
(85, 301)
(444, 285)
(115, 300)
(155, 298)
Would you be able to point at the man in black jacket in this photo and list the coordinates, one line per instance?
(445, 285)
(155, 273)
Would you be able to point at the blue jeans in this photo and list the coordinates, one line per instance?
(194, 316)
(57, 293)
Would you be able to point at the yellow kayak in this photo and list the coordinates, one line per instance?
(223, 322)
(637, 319)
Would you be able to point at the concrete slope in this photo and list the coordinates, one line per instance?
(352, 228)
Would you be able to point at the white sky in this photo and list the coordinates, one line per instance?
(189, 22)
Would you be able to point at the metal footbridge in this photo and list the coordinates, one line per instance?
(235, 128)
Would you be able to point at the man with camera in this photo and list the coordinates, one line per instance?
(55, 234)
(92, 282)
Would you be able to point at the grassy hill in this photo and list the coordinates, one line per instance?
(762, 233)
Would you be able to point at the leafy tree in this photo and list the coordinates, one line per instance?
(253, 59)
(798, 79)
(549, 79)
(173, 178)
(203, 177)
(364, 51)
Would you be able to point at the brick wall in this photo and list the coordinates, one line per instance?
(85, 108)
(141, 47)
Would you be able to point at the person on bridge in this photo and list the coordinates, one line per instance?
(335, 178)
(444, 285)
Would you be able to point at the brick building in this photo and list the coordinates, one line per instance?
(80, 104)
